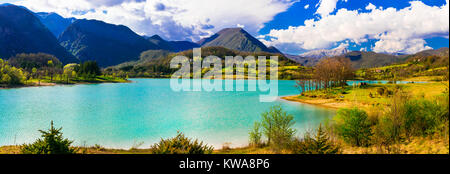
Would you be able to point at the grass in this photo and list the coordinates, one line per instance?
(418, 145)
(361, 97)
(100, 150)
(97, 79)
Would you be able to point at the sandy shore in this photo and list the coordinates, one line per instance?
(327, 103)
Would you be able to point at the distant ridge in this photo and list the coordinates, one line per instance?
(325, 53)
(54, 22)
(105, 43)
(174, 46)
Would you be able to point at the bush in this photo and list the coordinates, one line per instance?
(181, 145)
(277, 127)
(53, 143)
(319, 144)
(354, 126)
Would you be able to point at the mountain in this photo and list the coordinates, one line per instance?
(359, 59)
(325, 53)
(105, 43)
(236, 39)
(305, 61)
(54, 22)
(22, 32)
(174, 46)
(363, 59)
(441, 52)
(163, 44)
(179, 46)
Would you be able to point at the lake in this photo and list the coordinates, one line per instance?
(123, 115)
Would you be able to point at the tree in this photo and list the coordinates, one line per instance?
(69, 71)
(277, 127)
(89, 69)
(354, 126)
(6, 79)
(332, 72)
(29, 61)
(51, 69)
(10, 75)
(52, 143)
(255, 135)
(320, 143)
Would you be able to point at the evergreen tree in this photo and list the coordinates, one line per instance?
(52, 143)
(319, 144)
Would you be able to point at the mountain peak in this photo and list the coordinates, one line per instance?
(326, 53)
(236, 39)
(156, 37)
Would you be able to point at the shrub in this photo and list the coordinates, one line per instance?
(52, 143)
(277, 127)
(181, 145)
(354, 126)
(319, 144)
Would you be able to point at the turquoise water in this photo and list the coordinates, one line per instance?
(121, 115)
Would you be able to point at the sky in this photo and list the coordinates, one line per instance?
(293, 26)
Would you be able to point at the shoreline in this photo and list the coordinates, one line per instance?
(325, 103)
(60, 84)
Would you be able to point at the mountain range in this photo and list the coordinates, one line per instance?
(22, 32)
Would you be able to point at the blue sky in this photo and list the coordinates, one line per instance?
(293, 26)
(297, 14)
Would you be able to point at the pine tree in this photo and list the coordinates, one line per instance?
(319, 144)
(52, 143)
(323, 143)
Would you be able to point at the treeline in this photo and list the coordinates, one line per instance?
(326, 74)
(156, 63)
(28, 69)
(418, 65)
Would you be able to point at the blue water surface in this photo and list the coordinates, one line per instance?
(122, 115)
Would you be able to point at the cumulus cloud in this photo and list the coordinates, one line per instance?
(173, 19)
(396, 31)
(326, 7)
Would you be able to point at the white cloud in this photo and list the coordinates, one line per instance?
(326, 7)
(397, 31)
(405, 45)
(173, 19)
(306, 6)
(343, 45)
